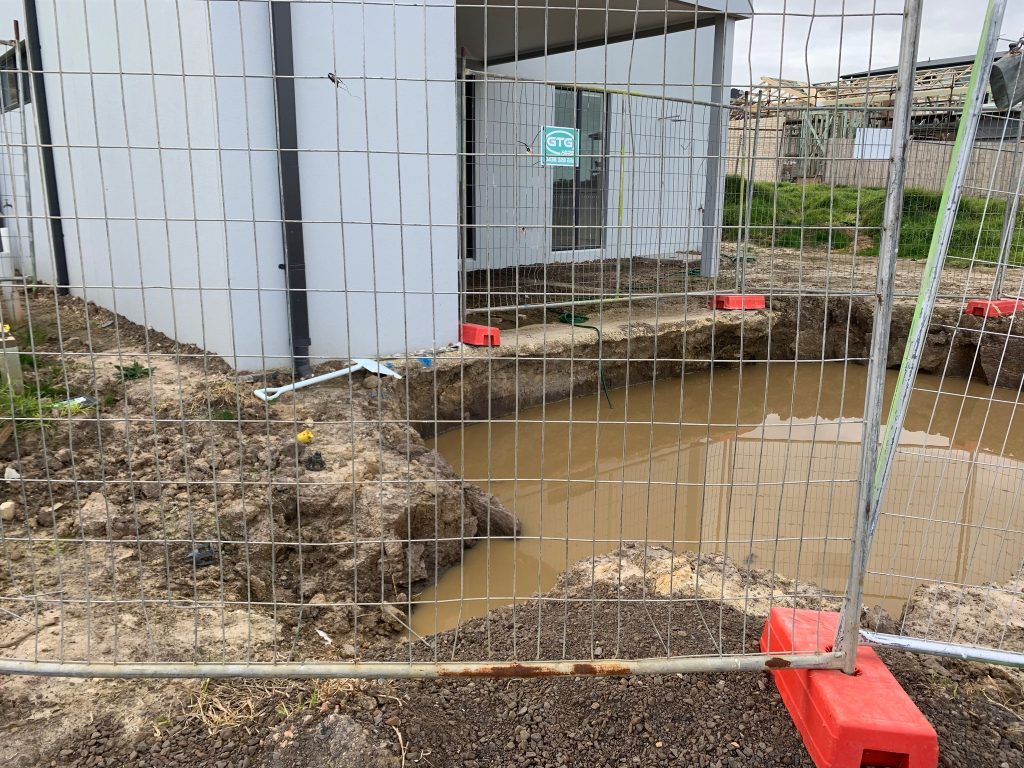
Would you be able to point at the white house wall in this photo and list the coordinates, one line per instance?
(169, 185)
(168, 199)
(21, 196)
(513, 191)
(656, 150)
(379, 174)
(653, 164)
(165, 138)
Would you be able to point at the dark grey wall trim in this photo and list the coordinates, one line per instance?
(291, 200)
(35, 59)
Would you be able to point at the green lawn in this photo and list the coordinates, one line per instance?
(815, 215)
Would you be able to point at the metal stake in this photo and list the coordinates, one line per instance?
(1010, 217)
(742, 265)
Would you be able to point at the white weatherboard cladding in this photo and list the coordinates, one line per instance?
(167, 174)
(164, 125)
(384, 280)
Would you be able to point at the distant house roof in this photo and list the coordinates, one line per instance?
(950, 61)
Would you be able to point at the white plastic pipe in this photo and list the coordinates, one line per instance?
(359, 364)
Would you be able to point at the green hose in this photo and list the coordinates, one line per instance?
(579, 321)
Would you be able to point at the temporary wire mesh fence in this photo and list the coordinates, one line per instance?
(951, 519)
(204, 201)
(623, 222)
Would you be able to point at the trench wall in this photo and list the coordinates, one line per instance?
(482, 384)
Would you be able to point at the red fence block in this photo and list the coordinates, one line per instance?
(847, 721)
(997, 308)
(479, 335)
(738, 301)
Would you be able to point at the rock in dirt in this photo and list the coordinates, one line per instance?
(10, 473)
(281, 452)
(8, 510)
(100, 517)
(371, 382)
(337, 740)
(394, 617)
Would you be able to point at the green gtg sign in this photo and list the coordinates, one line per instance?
(560, 146)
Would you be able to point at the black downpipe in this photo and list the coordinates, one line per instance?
(291, 200)
(469, 129)
(35, 58)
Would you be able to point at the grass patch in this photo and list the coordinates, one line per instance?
(792, 215)
(28, 409)
(134, 371)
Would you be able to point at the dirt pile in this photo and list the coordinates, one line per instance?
(180, 518)
(990, 616)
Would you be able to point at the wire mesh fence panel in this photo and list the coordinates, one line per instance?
(619, 224)
(384, 339)
(950, 524)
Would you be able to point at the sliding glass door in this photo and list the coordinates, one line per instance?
(579, 194)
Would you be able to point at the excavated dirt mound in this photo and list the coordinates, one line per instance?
(177, 519)
(988, 616)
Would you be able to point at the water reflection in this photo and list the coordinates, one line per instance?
(759, 463)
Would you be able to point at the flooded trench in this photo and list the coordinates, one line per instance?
(757, 461)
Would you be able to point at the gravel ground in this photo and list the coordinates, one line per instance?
(686, 720)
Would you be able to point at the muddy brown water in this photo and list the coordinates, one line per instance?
(758, 462)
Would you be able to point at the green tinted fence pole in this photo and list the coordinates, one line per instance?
(1010, 217)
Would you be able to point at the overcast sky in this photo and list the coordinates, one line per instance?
(821, 39)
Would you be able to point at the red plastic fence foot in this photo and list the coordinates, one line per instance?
(847, 721)
(738, 301)
(997, 308)
(479, 335)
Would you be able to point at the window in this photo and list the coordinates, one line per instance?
(12, 97)
(579, 195)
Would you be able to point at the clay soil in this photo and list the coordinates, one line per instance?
(113, 501)
(176, 518)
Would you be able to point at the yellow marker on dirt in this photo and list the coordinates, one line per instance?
(305, 437)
